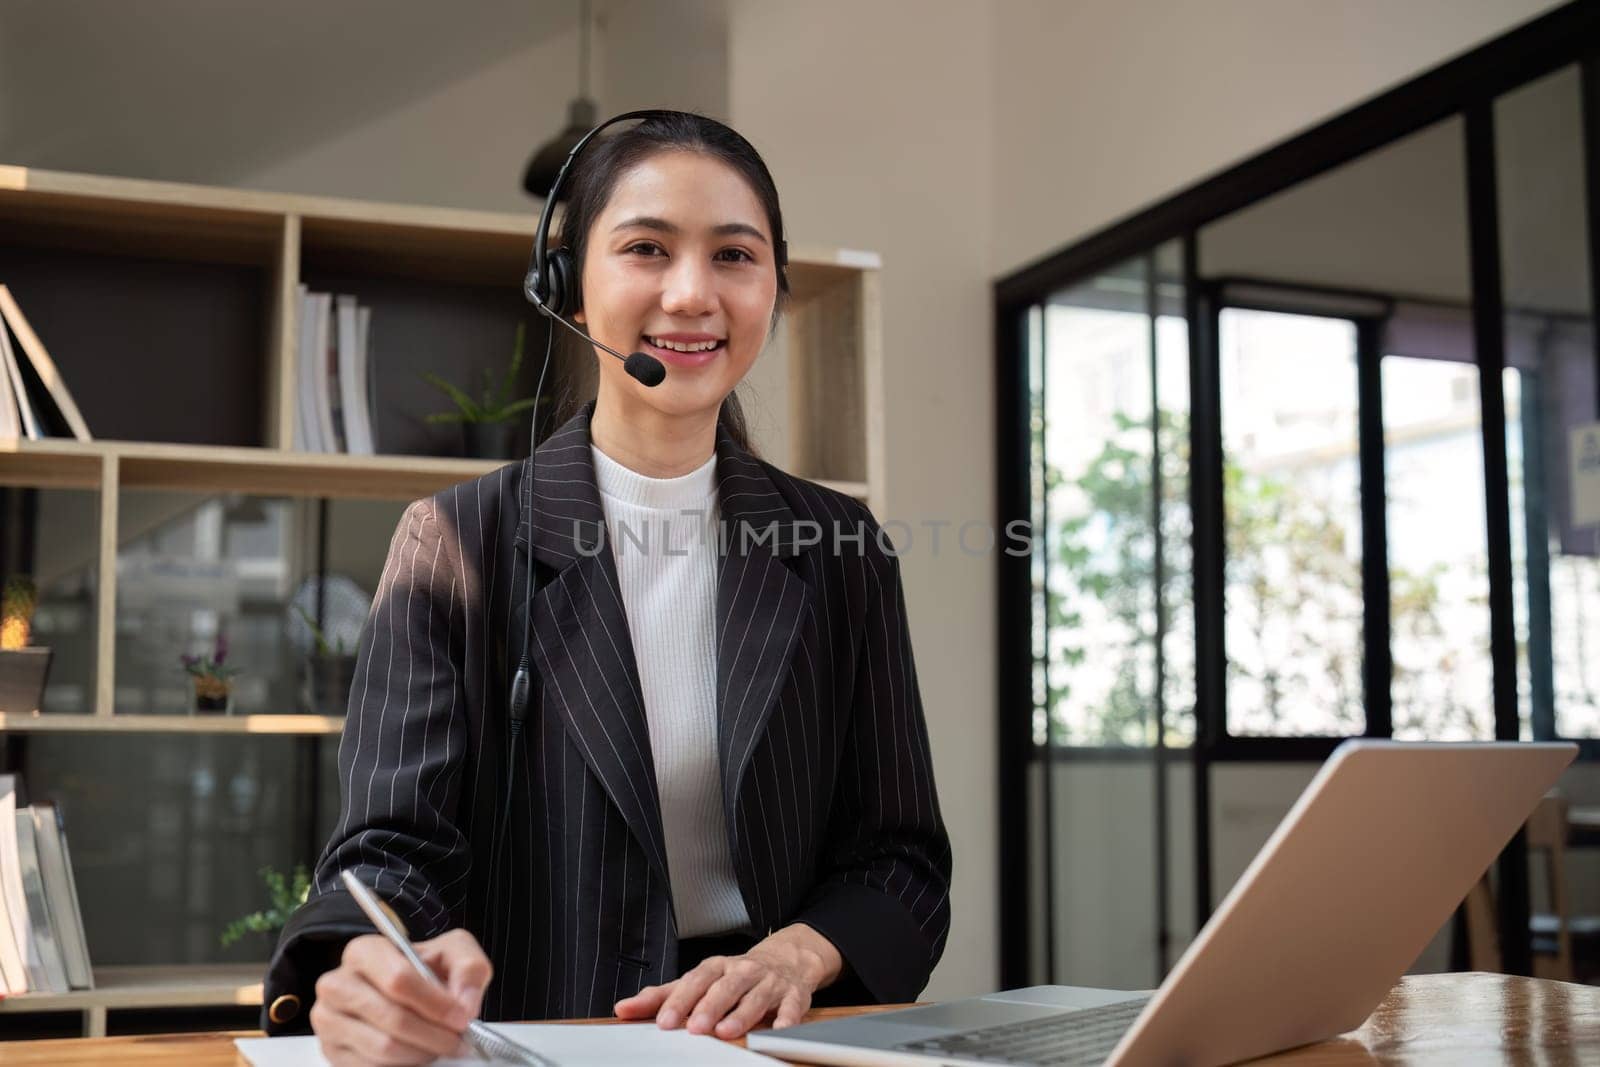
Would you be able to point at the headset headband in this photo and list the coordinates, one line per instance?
(541, 237)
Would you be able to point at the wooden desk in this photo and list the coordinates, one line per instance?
(1452, 1019)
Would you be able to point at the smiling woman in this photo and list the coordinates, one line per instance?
(722, 808)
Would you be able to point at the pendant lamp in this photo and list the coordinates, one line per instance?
(581, 117)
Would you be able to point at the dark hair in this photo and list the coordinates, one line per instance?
(608, 157)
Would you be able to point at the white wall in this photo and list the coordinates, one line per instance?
(1105, 106)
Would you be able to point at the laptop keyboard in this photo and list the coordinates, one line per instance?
(1070, 1039)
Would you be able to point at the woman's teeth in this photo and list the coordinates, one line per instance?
(680, 346)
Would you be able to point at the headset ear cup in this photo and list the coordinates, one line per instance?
(561, 282)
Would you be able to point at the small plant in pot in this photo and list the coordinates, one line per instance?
(211, 680)
(489, 425)
(329, 671)
(23, 669)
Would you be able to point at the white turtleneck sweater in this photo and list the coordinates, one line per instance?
(661, 532)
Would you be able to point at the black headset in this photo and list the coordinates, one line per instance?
(551, 284)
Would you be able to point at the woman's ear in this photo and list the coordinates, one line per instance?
(577, 316)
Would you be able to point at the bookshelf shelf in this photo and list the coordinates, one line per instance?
(63, 464)
(152, 987)
(182, 986)
(283, 725)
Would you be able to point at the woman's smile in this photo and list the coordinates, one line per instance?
(684, 349)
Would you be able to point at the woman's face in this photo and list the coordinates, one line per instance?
(680, 258)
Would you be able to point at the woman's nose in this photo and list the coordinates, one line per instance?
(690, 289)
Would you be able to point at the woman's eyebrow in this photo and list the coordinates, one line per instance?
(726, 229)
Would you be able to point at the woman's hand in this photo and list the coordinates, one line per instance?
(374, 1008)
(732, 994)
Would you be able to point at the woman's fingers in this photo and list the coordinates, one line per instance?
(346, 994)
(346, 1039)
(381, 966)
(792, 1009)
(460, 962)
(645, 1003)
(752, 1008)
(738, 978)
(690, 988)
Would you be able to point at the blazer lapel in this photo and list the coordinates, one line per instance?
(761, 605)
(581, 646)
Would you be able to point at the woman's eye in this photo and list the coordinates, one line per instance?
(741, 256)
(646, 248)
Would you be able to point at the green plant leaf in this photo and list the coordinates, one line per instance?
(469, 407)
(515, 408)
(516, 364)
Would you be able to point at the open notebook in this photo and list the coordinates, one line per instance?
(568, 1045)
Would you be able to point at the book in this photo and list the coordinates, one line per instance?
(321, 347)
(18, 409)
(305, 377)
(61, 894)
(12, 889)
(13, 969)
(40, 923)
(331, 379)
(43, 365)
(369, 384)
(302, 430)
(352, 379)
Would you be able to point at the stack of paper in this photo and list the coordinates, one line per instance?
(565, 1044)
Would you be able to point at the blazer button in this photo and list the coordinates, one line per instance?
(284, 1009)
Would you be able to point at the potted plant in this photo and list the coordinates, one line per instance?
(488, 425)
(212, 681)
(329, 671)
(23, 669)
(284, 896)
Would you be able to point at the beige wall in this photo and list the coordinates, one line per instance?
(874, 119)
(466, 143)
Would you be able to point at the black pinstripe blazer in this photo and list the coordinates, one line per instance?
(827, 778)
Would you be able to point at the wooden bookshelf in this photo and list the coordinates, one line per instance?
(829, 350)
(110, 272)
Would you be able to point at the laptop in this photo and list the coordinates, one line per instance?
(1367, 866)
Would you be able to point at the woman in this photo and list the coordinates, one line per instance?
(722, 809)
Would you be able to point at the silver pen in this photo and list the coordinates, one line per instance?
(482, 1039)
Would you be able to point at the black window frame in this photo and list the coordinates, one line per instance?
(1466, 87)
